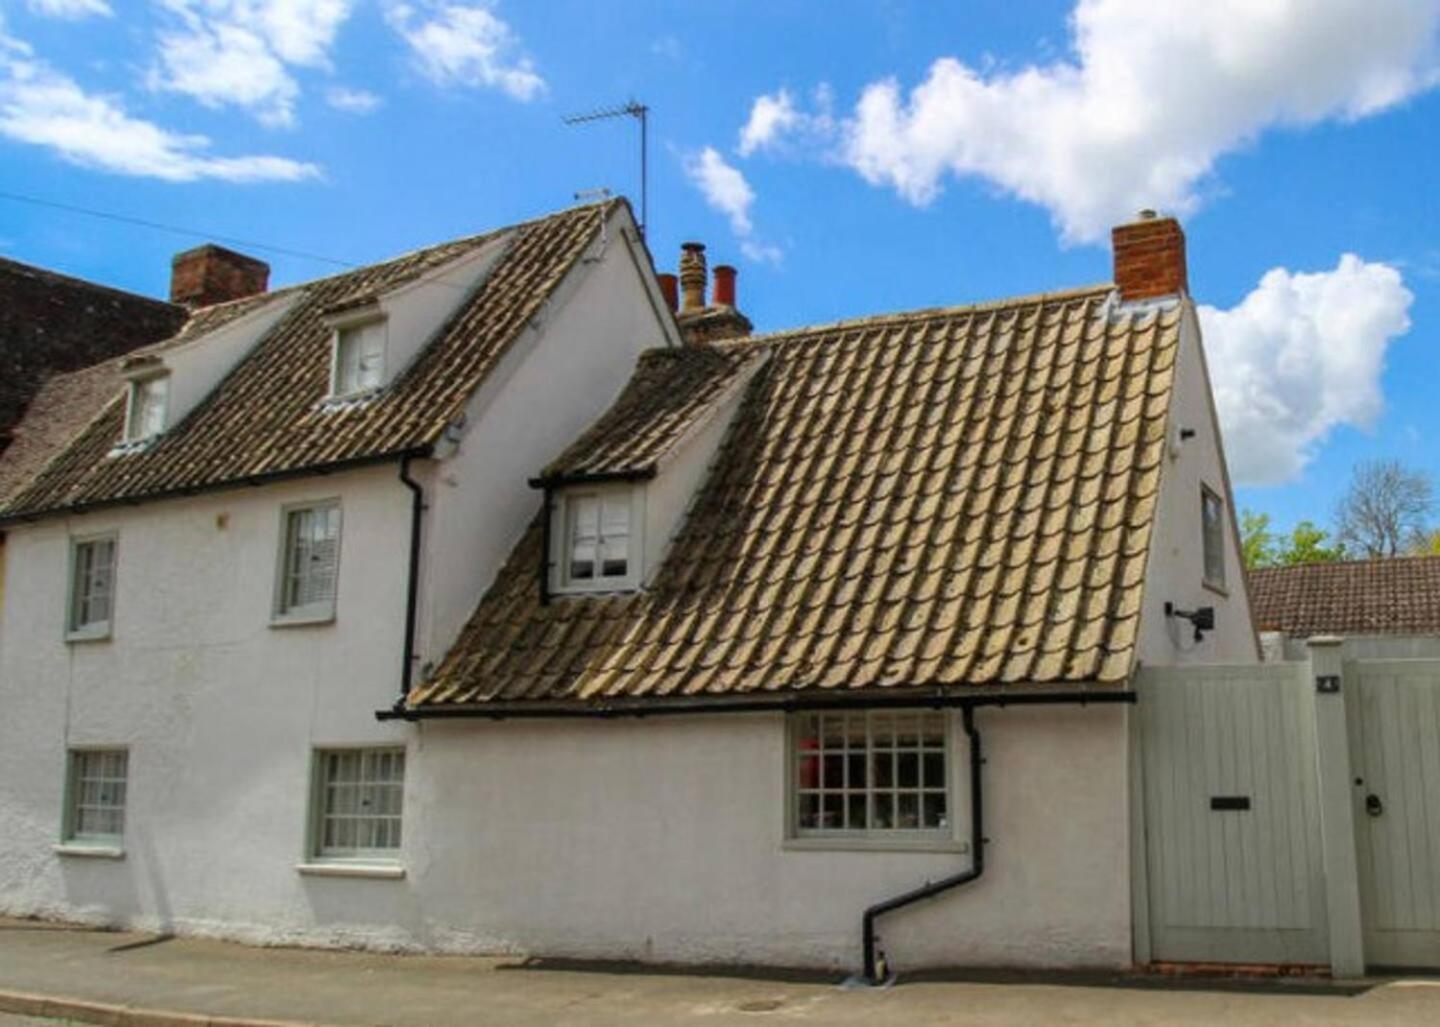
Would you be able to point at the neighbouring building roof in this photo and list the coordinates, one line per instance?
(53, 324)
(1398, 596)
(672, 392)
(267, 418)
(62, 407)
(946, 497)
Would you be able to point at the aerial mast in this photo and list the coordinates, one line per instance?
(630, 109)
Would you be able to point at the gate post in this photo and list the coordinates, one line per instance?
(1337, 811)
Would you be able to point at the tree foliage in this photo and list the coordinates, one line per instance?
(1306, 543)
(1384, 510)
(1257, 541)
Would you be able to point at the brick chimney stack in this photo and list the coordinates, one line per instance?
(1149, 258)
(212, 274)
(699, 321)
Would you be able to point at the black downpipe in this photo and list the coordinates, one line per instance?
(412, 588)
(874, 972)
(545, 544)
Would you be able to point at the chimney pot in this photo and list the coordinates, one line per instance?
(212, 274)
(724, 285)
(1149, 258)
(670, 289)
(692, 275)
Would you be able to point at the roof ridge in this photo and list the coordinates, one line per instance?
(1364, 561)
(87, 283)
(1098, 289)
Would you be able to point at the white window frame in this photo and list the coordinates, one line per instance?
(319, 611)
(71, 835)
(316, 851)
(564, 503)
(339, 326)
(944, 837)
(1207, 494)
(90, 631)
(132, 405)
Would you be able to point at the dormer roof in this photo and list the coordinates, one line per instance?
(940, 499)
(266, 418)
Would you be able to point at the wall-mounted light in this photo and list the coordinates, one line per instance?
(1202, 618)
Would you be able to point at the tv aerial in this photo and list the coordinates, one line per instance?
(630, 109)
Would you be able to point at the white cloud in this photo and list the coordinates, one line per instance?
(1299, 356)
(240, 52)
(44, 107)
(725, 189)
(776, 120)
(71, 10)
(1151, 96)
(353, 101)
(467, 44)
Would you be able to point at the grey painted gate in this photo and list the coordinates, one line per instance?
(1395, 757)
(1234, 868)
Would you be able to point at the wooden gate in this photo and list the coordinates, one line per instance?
(1234, 867)
(1395, 757)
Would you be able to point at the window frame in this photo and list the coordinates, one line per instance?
(1207, 494)
(564, 502)
(92, 631)
(319, 612)
(70, 836)
(940, 839)
(137, 385)
(315, 854)
(357, 321)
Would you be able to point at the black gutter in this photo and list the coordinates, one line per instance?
(593, 477)
(875, 970)
(412, 586)
(308, 471)
(941, 697)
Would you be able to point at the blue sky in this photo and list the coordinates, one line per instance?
(851, 158)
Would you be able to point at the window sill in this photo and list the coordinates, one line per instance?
(383, 871)
(302, 620)
(951, 845)
(89, 634)
(1219, 590)
(89, 850)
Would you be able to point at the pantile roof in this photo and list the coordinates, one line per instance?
(268, 418)
(958, 497)
(1399, 596)
(62, 407)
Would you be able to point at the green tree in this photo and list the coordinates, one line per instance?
(1257, 541)
(1306, 544)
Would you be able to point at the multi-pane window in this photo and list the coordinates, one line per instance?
(1212, 523)
(92, 586)
(359, 358)
(598, 538)
(360, 794)
(872, 773)
(310, 561)
(96, 812)
(147, 408)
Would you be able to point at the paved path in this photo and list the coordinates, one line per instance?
(347, 988)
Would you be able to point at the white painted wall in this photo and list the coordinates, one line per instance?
(1176, 567)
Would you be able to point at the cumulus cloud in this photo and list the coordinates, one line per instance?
(45, 107)
(1299, 356)
(353, 101)
(70, 10)
(725, 189)
(776, 121)
(468, 45)
(240, 52)
(1151, 95)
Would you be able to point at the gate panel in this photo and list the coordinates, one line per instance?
(1232, 819)
(1395, 754)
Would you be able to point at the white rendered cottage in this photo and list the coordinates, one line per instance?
(702, 676)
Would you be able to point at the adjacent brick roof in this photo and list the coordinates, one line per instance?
(267, 418)
(53, 324)
(63, 406)
(942, 498)
(672, 393)
(1399, 596)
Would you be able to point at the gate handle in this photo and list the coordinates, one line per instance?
(1373, 805)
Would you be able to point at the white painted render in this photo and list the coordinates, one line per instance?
(1176, 568)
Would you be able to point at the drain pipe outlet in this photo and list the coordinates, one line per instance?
(875, 968)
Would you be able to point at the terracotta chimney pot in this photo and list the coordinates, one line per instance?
(724, 285)
(670, 289)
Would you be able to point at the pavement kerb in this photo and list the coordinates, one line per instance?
(113, 1014)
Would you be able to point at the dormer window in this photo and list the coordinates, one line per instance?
(359, 358)
(597, 545)
(145, 416)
